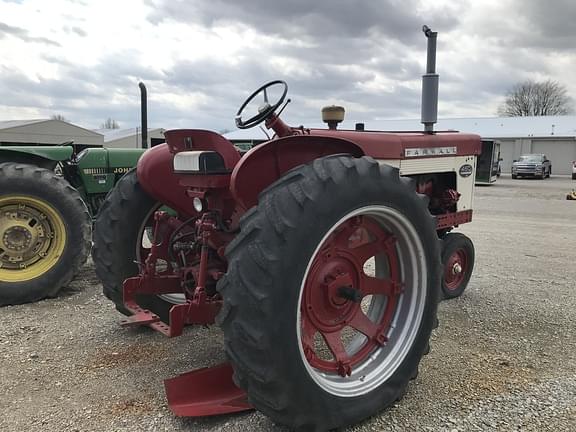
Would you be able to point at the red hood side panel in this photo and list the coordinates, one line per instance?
(393, 145)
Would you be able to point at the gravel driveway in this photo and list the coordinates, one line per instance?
(503, 358)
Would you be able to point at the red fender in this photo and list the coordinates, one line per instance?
(266, 163)
(156, 176)
(179, 140)
(155, 168)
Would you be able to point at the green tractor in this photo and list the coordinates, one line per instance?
(49, 196)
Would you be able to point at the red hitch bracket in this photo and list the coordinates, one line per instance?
(199, 310)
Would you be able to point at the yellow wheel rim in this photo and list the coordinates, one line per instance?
(32, 237)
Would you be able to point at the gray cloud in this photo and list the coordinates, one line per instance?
(75, 30)
(367, 55)
(20, 33)
(216, 80)
(83, 94)
(549, 24)
(344, 48)
(304, 19)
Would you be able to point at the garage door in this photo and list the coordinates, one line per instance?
(507, 154)
(560, 153)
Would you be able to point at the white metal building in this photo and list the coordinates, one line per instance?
(55, 132)
(130, 138)
(46, 132)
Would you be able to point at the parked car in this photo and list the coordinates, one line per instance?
(573, 170)
(532, 165)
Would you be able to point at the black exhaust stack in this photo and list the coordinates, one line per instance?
(430, 84)
(144, 114)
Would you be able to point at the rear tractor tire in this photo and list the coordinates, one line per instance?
(45, 233)
(121, 241)
(331, 293)
(458, 262)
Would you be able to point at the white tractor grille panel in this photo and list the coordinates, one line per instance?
(426, 165)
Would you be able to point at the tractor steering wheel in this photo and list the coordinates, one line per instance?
(265, 110)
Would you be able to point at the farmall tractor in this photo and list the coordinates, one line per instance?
(318, 253)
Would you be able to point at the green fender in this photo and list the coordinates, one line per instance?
(43, 156)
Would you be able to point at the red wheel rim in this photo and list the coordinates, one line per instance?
(333, 293)
(455, 269)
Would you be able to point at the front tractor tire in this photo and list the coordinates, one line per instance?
(120, 242)
(458, 261)
(331, 293)
(45, 233)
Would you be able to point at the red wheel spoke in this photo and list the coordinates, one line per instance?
(308, 331)
(377, 243)
(372, 331)
(371, 285)
(368, 250)
(363, 324)
(334, 342)
(343, 235)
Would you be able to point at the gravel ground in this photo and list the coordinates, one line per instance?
(503, 358)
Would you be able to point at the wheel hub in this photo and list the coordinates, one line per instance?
(349, 293)
(457, 268)
(454, 273)
(327, 308)
(17, 238)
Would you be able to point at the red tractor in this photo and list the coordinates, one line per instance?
(318, 253)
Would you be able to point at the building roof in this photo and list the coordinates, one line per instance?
(493, 127)
(9, 124)
(487, 127)
(46, 132)
(117, 134)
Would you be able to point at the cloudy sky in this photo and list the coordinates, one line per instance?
(200, 58)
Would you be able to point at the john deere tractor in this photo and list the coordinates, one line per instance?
(48, 197)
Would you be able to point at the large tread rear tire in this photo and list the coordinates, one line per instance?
(117, 234)
(53, 199)
(268, 264)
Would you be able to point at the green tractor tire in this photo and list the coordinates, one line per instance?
(45, 233)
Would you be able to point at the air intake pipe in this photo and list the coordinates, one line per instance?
(144, 114)
(430, 84)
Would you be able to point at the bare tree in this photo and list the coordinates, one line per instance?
(59, 117)
(110, 124)
(531, 98)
